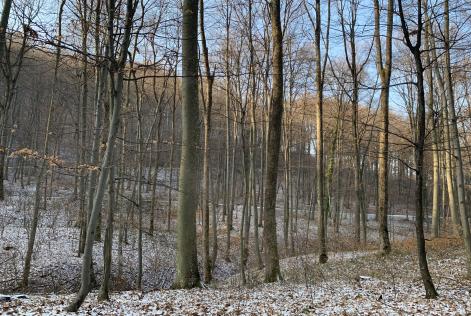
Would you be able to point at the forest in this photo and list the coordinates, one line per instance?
(235, 157)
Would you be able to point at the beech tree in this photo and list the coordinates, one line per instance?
(272, 265)
(295, 124)
(187, 264)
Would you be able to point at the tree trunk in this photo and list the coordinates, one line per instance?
(286, 208)
(320, 171)
(272, 265)
(207, 133)
(140, 173)
(116, 92)
(435, 231)
(3, 50)
(84, 19)
(455, 142)
(450, 180)
(227, 212)
(45, 162)
(104, 294)
(384, 70)
(187, 263)
(419, 149)
(100, 86)
(3, 27)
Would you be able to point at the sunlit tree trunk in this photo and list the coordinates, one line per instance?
(320, 66)
(433, 121)
(447, 146)
(455, 141)
(384, 69)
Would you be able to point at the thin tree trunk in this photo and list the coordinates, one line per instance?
(320, 66)
(286, 209)
(83, 114)
(228, 180)
(214, 220)
(450, 181)
(230, 214)
(104, 294)
(100, 86)
(207, 133)
(44, 163)
(384, 70)
(116, 89)
(253, 137)
(245, 219)
(434, 125)
(172, 150)
(140, 150)
(3, 51)
(455, 142)
(4, 26)
(419, 148)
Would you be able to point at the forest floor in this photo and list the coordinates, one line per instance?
(355, 281)
(367, 284)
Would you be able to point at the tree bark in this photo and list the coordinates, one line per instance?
(320, 66)
(455, 141)
(207, 133)
(450, 180)
(430, 291)
(187, 263)
(227, 212)
(384, 69)
(104, 294)
(272, 265)
(435, 230)
(116, 92)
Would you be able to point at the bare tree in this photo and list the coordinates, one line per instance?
(116, 75)
(320, 68)
(272, 265)
(45, 159)
(455, 141)
(415, 50)
(187, 264)
(384, 70)
(208, 104)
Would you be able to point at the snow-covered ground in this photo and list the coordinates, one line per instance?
(56, 264)
(354, 281)
(372, 294)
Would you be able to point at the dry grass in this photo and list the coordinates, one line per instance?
(400, 265)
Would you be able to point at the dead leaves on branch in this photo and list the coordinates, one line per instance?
(52, 160)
